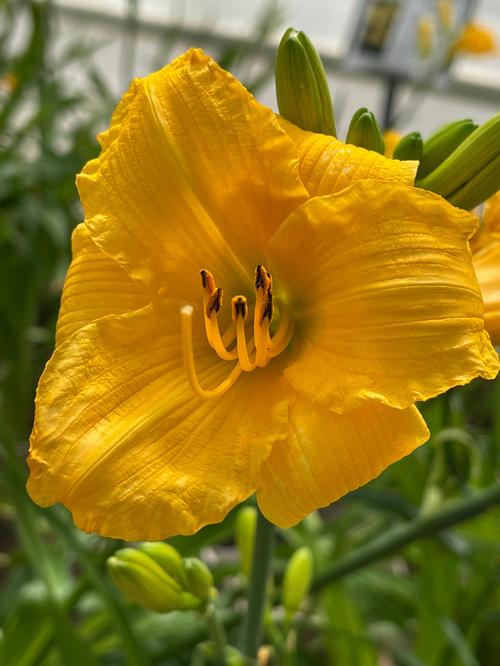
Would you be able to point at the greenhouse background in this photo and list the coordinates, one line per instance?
(406, 568)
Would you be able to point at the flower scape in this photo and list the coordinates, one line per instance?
(250, 308)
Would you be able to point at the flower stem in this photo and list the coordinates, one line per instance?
(217, 634)
(426, 525)
(261, 569)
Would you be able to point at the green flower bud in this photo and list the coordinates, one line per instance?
(480, 187)
(246, 522)
(297, 579)
(199, 579)
(167, 557)
(364, 131)
(301, 85)
(442, 143)
(474, 155)
(409, 148)
(144, 582)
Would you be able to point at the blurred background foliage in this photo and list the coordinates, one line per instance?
(430, 598)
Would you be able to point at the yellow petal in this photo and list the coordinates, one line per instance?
(487, 266)
(489, 231)
(326, 455)
(492, 213)
(387, 301)
(327, 165)
(121, 440)
(95, 286)
(119, 116)
(195, 174)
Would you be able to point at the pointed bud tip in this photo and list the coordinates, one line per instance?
(302, 88)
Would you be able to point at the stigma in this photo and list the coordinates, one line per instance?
(248, 346)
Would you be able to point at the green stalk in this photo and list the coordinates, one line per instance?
(401, 535)
(217, 634)
(261, 569)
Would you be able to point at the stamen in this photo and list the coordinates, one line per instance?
(239, 310)
(259, 350)
(263, 314)
(208, 284)
(212, 301)
(189, 364)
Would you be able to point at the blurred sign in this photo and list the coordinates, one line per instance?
(406, 38)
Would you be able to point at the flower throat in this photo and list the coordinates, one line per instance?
(257, 351)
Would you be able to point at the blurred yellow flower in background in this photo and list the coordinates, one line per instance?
(446, 13)
(475, 39)
(426, 35)
(391, 140)
(162, 406)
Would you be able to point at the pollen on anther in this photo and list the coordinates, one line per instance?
(239, 308)
(214, 302)
(207, 280)
(267, 312)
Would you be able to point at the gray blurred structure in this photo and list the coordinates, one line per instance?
(132, 38)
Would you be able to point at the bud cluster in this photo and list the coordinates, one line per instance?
(155, 576)
(467, 162)
(460, 161)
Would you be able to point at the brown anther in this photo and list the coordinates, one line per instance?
(239, 307)
(267, 310)
(214, 302)
(207, 280)
(262, 278)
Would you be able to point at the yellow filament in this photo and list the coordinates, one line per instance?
(208, 327)
(241, 345)
(218, 342)
(229, 335)
(262, 342)
(189, 364)
(283, 335)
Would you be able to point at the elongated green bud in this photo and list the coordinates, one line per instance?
(199, 579)
(442, 143)
(410, 147)
(479, 188)
(167, 557)
(465, 162)
(297, 579)
(144, 582)
(364, 131)
(301, 85)
(246, 522)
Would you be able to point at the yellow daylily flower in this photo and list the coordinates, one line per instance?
(391, 140)
(164, 406)
(446, 14)
(426, 35)
(475, 39)
(485, 246)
